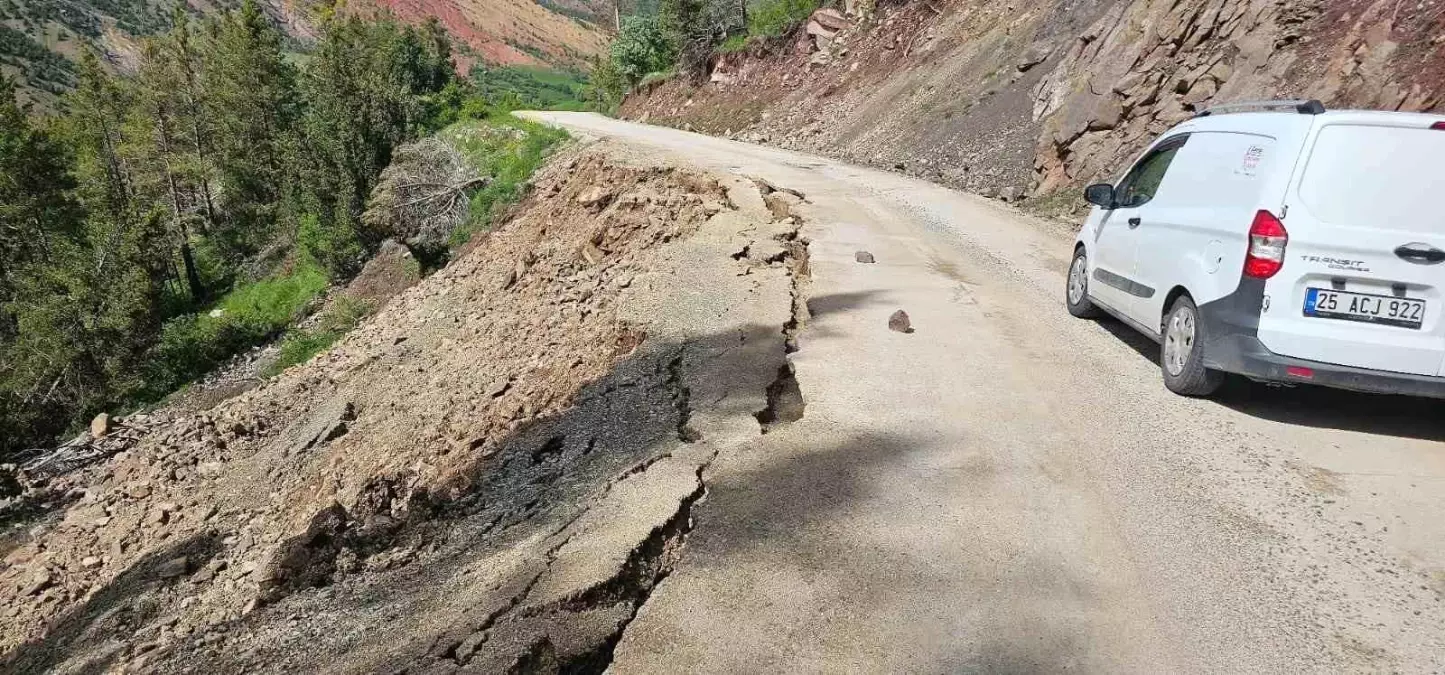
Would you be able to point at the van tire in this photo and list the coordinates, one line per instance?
(1182, 348)
(1078, 302)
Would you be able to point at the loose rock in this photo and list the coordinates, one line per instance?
(899, 322)
(100, 426)
(864, 257)
(173, 568)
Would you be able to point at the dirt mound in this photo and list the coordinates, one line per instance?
(477, 397)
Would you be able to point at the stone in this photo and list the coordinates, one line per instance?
(138, 491)
(209, 469)
(41, 581)
(498, 386)
(159, 517)
(899, 322)
(173, 568)
(1107, 114)
(1036, 53)
(1010, 193)
(100, 426)
(590, 253)
(1202, 90)
(592, 196)
(167, 507)
(90, 562)
(864, 257)
(781, 204)
(1221, 71)
(830, 19)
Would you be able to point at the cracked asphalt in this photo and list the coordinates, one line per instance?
(1010, 489)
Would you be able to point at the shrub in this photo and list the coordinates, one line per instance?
(299, 346)
(734, 44)
(193, 344)
(641, 47)
(330, 243)
(607, 85)
(775, 18)
(531, 87)
(508, 150)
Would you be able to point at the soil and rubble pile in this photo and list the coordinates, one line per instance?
(446, 412)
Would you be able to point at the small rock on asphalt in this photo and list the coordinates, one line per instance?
(899, 322)
(864, 257)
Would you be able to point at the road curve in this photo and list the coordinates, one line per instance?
(1010, 489)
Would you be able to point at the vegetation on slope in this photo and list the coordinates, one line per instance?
(218, 177)
(683, 35)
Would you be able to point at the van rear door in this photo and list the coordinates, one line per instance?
(1364, 266)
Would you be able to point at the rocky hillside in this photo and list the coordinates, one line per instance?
(1027, 97)
(507, 32)
(40, 39)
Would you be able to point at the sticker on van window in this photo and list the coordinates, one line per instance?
(1250, 166)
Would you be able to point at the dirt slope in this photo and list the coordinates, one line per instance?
(492, 469)
(1031, 96)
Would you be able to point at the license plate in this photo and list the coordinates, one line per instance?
(1382, 309)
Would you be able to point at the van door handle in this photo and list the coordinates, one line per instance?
(1420, 254)
(1134, 222)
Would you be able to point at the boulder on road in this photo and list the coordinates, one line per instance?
(899, 322)
(864, 257)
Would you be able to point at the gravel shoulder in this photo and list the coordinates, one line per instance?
(1007, 488)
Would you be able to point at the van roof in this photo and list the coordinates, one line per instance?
(1290, 122)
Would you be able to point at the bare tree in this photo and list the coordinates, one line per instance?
(423, 195)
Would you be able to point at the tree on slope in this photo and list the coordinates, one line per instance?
(252, 103)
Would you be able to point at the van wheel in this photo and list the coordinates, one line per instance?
(1182, 353)
(1076, 295)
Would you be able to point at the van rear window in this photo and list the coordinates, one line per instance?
(1377, 176)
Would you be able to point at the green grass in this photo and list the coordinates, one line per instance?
(517, 87)
(299, 346)
(774, 18)
(734, 44)
(656, 78)
(509, 150)
(193, 344)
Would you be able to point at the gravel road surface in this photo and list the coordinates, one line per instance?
(1008, 489)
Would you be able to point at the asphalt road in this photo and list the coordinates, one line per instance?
(1008, 489)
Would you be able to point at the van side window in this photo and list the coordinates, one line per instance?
(1139, 186)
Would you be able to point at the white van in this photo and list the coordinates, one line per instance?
(1287, 244)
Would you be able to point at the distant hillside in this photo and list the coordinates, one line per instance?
(509, 32)
(40, 39)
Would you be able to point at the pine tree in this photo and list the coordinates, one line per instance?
(363, 89)
(252, 102)
(167, 172)
(35, 201)
(83, 308)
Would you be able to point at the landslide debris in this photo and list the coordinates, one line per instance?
(479, 412)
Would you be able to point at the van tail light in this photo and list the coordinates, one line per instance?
(1438, 125)
(1267, 239)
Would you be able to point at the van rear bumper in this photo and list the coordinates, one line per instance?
(1231, 331)
(1246, 355)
